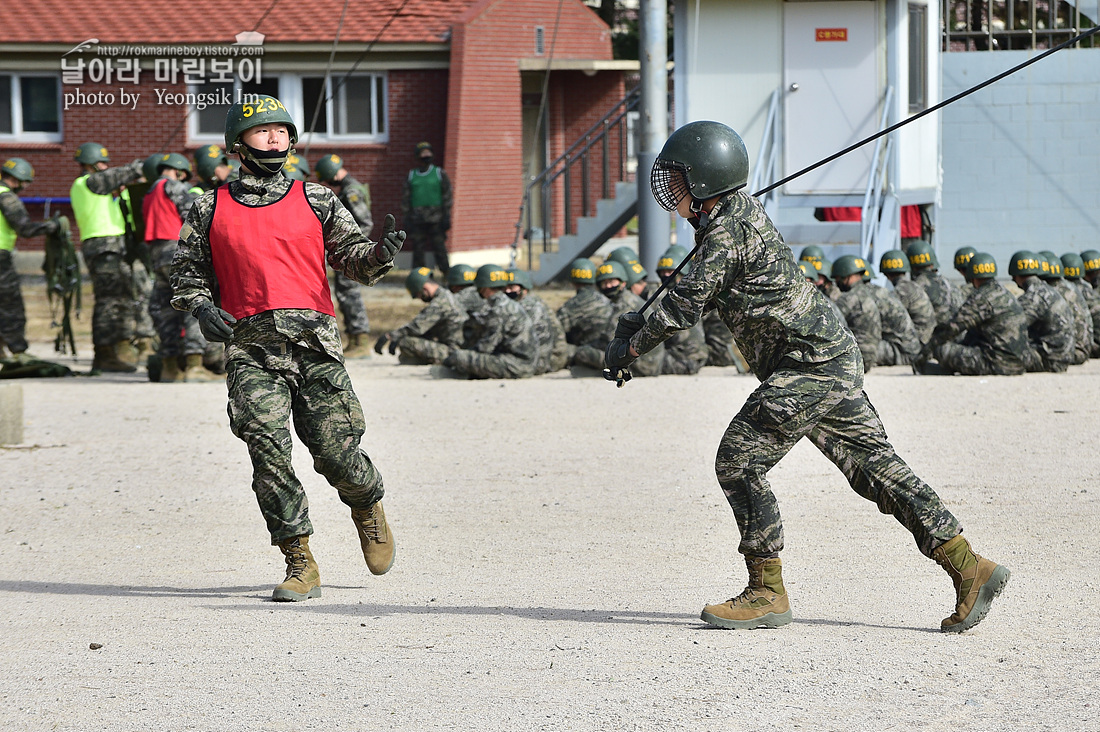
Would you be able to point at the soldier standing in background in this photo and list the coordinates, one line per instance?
(426, 208)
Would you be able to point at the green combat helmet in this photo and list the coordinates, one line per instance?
(91, 153)
(294, 160)
(962, 257)
(610, 271)
(294, 173)
(808, 270)
(623, 255)
(582, 271)
(894, 262)
(1025, 263)
(521, 278)
(824, 267)
(635, 273)
(328, 167)
(982, 266)
(234, 169)
(19, 169)
(207, 158)
(812, 253)
(414, 283)
(921, 255)
(671, 258)
(1091, 258)
(491, 275)
(847, 265)
(259, 109)
(459, 275)
(1073, 267)
(701, 159)
(149, 168)
(174, 161)
(1053, 270)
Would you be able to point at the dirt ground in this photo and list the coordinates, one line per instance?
(557, 538)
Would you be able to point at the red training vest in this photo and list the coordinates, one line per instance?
(162, 219)
(269, 257)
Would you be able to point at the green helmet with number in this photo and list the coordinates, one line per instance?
(893, 262)
(175, 161)
(701, 159)
(91, 153)
(610, 270)
(625, 255)
(847, 265)
(1025, 263)
(808, 270)
(259, 109)
(294, 160)
(521, 278)
(635, 273)
(982, 266)
(328, 167)
(1091, 258)
(812, 253)
(293, 172)
(824, 267)
(207, 159)
(149, 167)
(19, 169)
(1073, 267)
(491, 275)
(672, 257)
(582, 271)
(414, 283)
(459, 275)
(234, 169)
(962, 257)
(1054, 270)
(921, 255)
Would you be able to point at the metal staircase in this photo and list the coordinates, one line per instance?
(582, 198)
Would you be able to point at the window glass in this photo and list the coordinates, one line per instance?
(356, 114)
(39, 98)
(5, 105)
(312, 93)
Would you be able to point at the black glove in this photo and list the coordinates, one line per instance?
(381, 343)
(451, 360)
(389, 245)
(215, 323)
(629, 324)
(617, 357)
(52, 227)
(394, 342)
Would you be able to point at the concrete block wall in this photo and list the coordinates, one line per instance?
(1021, 162)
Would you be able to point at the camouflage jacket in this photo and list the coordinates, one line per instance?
(1049, 321)
(548, 332)
(347, 252)
(1092, 299)
(993, 322)
(919, 307)
(715, 332)
(12, 209)
(1082, 320)
(506, 329)
(946, 300)
(440, 320)
(751, 276)
(356, 198)
(861, 311)
(897, 326)
(584, 317)
(105, 182)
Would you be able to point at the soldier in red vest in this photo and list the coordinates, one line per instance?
(264, 241)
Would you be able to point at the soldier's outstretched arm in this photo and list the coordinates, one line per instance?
(104, 181)
(12, 209)
(192, 275)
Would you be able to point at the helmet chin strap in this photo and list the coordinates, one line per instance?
(264, 163)
(701, 218)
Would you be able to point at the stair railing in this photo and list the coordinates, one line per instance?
(878, 184)
(764, 173)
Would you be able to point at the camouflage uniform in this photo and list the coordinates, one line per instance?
(1082, 320)
(1092, 299)
(900, 343)
(116, 311)
(946, 300)
(721, 350)
(996, 334)
(919, 307)
(548, 332)
(1049, 326)
(812, 379)
(13, 318)
(356, 198)
(686, 351)
(434, 333)
(427, 226)
(288, 362)
(584, 318)
(860, 310)
(472, 302)
(506, 348)
(178, 331)
(592, 353)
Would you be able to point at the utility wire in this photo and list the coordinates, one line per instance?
(328, 71)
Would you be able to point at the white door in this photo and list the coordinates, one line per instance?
(831, 68)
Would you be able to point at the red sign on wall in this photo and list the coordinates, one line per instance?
(831, 34)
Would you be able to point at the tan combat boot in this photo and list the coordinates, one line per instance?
(170, 370)
(196, 372)
(143, 346)
(357, 346)
(977, 581)
(106, 359)
(303, 580)
(763, 604)
(125, 352)
(375, 537)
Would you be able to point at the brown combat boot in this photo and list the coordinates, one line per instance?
(170, 370)
(763, 604)
(375, 537)
(977, 581)
(125, 352)
(357, 346)
(303, 580)
(106, 359)
(143, 346)
(196, 372)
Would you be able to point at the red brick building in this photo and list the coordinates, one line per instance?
(466, 75)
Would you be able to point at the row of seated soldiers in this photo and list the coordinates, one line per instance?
(489, 323)
(980, 328)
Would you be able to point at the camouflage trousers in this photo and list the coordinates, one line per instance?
(350, 300)
(427, 236)
(13, 317)
(826, 403)
(649, 364)
(890, 354)
(178, 330)
(114, 312)
(142, 289)
(490, 365)
(422, 351)
(269, 384)
(671, 363)
(972, 361)
(1035, 360)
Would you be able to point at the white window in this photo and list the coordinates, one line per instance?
(30, 107)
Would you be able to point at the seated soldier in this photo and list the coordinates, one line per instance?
(963, 255)
(686, 351)
(808, 271)
(946, 299)
(1075, 270)
(1048, 316)
(547, 330)
(895, 265)
(505, 348)
(435, 332)
(859, 308)
(900, 343)
(1082, 320)
(611, 279)
(584, 316)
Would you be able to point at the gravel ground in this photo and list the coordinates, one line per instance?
(556, 540)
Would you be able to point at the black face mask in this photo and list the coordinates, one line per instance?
(845, 287)
(264, 163)
(514, 294)
(612, 292)
(426, 162)
(665, 277)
